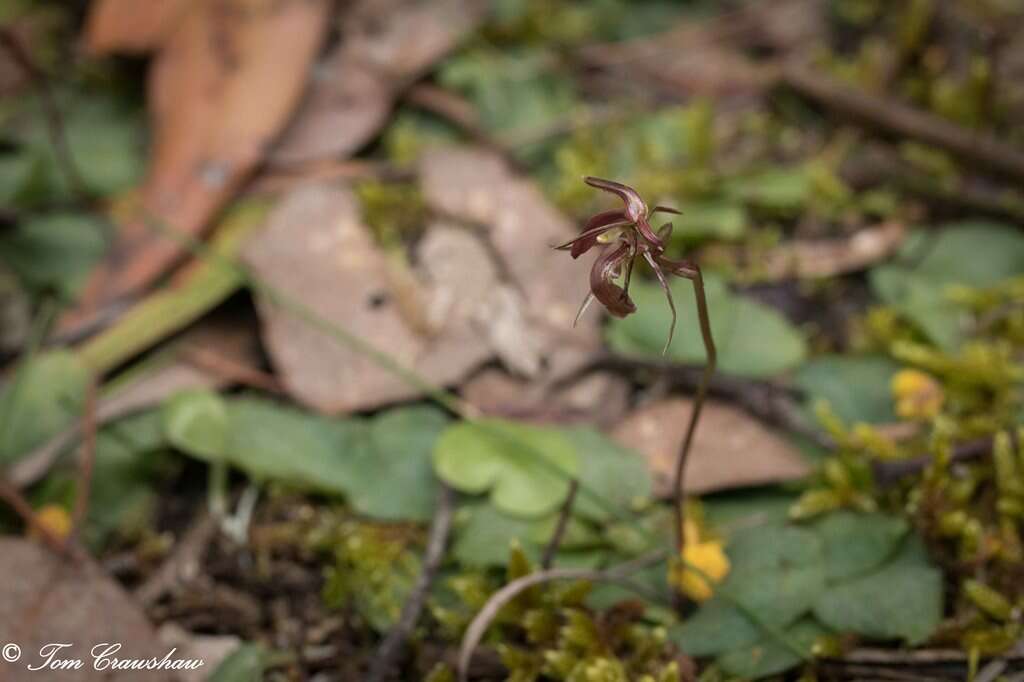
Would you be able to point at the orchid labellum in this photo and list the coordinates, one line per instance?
(626, 235)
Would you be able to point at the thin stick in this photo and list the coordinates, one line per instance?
(899, 119)
(17, 502)
(563, 522)
(184, 562)
(87, 459)
(618, 575)
(392, 646)
(693, 273)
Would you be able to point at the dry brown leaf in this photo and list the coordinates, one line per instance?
(820, 258)
(49, 599)
(600, 398)
(476, 187)
(831, 257)
(130, 25)
(709, 56)
(730, 449)
(315, 249)
(384, 46)
(221, 88)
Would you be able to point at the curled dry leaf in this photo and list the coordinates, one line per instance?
(709, 56)
(383, 47)
(48, 599)
(731, 449)
(221, 87)
(316, 250)
(831, 257)
(476, 187)
(130, 26)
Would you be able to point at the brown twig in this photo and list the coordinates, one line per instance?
(393, 644)
(54, 121)
(618, 575)
(184, 561)
(87, 460)
(896, 118)
(563, 522)
(887, 473)
(231, 370)
(17, 502)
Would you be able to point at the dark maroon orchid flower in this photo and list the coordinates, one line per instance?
(627, 234)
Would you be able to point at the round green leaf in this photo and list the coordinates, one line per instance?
(856, 388)
(716, 628)
(900, 600)
(38, 400)
(391, 470)
(856, 543)
(769, 656)
(484, 536)
(56, 251)
(196, 422)
(526, 468)
(611, 477)
(751, 339)
(778, 572)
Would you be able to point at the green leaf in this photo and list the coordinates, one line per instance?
(778, 572)
(782, 190)
(105, 139)
(382, 465)
(578, 534)
(901, 600)
(485, 536)
(131, 457)
(39, 400)
(744, 509)
(752, 339)
(55, 252)
(392, 474)
(245, 664)
(856, 543)
(196, 422)
(513, 90)
(716, 628)
(711, 220)
(526, 468)
(272, 442)
(616, 476)
(769, 656)
(856, 387)
(972, 253)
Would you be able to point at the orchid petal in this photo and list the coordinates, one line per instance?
(668, 294)
(636, 209)
(583, 308)
(665, 209)
(606, 268)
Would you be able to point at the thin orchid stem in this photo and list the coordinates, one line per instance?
(692, 272)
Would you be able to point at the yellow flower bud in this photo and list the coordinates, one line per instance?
(917, 395)
(55, 519)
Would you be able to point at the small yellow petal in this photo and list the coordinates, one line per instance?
(55, 519)
(918, 395)
(710, 561)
